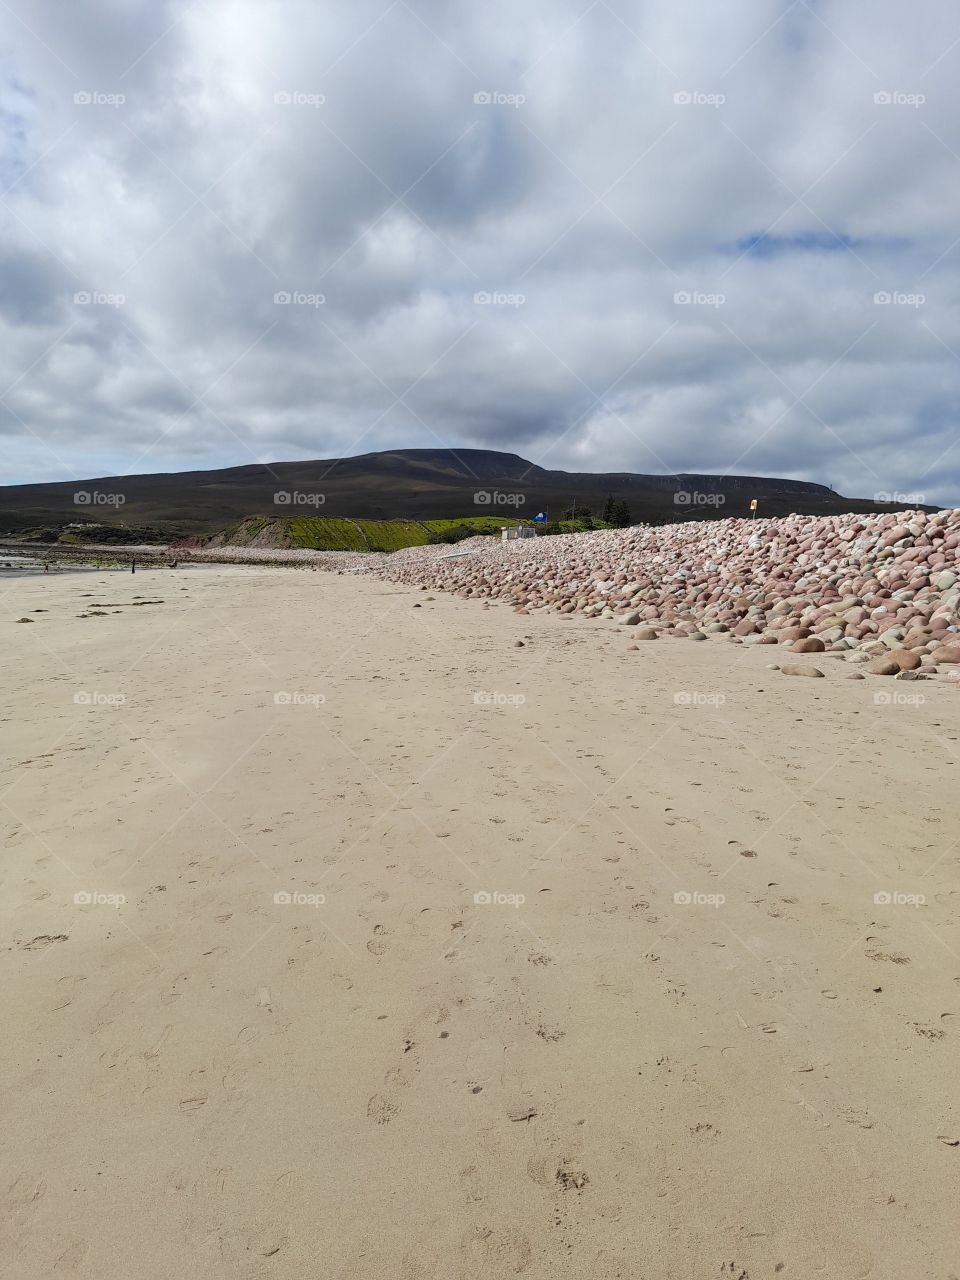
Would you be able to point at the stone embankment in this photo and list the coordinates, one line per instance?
(880, 591)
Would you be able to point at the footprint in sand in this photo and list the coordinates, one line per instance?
(472, 1184)
(235, 1083)
(111, 1009)
(928, 1032)
(485, 1062)
(550, 1033)
(172, 993)
(860, 1118)
(496, 1250)
(67, 988)
(895, 957)
(381, 1109)
(155, 1049)
(377, 945)
(551, 1172)
(72, 1257)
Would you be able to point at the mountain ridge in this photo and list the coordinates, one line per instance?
(396, 484)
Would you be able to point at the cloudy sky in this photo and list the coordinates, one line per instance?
(617, 235)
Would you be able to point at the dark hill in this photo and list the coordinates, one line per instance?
(421, 483)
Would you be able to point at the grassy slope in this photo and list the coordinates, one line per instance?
(329, 533)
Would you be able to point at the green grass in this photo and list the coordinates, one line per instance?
(330, 533)
(492, 523)
(322, 533)
(587, 525)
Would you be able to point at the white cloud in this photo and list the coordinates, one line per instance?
(286, 148)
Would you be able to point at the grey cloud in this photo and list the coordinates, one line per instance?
(653, 146)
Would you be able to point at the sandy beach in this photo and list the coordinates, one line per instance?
(350, 938)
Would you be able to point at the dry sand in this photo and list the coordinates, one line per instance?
(401, 1082)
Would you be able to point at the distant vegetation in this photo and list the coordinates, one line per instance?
(330, 533)
(474, 527)
(82, 533)
(581, 519)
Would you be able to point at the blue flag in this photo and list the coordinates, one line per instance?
(540, 517)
